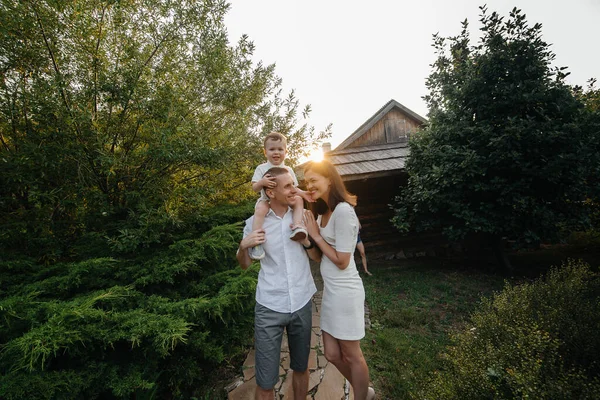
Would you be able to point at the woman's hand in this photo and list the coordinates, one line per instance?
(311, 225)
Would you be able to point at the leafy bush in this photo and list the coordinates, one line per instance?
(535, 340)
(154, 325)
(586, 239)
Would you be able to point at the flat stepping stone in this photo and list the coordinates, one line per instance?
(243, 392)
(287, 388)
(332, 385)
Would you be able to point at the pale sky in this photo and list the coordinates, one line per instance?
(348, 58)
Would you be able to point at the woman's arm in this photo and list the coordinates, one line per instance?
(339, 258)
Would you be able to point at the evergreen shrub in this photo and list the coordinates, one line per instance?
(156, 323)
(535, 340)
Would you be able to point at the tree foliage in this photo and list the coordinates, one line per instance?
(159, 323)
(505, 152)
(128, 133)
(138, 112)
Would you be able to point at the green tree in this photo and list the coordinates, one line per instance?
(503, 154)
(128, 133)
(591, 127)
(128, 116)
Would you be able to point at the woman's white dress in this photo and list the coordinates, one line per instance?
(342, 306)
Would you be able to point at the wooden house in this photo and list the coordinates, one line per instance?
(371, 162)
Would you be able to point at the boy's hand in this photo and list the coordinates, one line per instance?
(268, 181)
(305, 195)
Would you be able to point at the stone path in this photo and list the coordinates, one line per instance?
(325, 382)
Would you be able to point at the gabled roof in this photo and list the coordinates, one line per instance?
(375, 118)
(369, 161)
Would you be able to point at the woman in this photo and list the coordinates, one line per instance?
(342, 308)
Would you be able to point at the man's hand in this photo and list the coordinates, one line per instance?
(254, 238)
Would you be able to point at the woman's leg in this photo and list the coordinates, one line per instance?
(333, 354)
(353, 357)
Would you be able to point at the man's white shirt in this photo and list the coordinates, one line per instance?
(285, 283)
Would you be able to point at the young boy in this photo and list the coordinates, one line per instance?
(275, 146)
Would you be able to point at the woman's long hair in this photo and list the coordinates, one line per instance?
(337, 191)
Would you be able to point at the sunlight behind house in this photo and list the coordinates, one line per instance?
(316, 155)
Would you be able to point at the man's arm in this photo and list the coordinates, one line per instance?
(254, 238)
(314, 253)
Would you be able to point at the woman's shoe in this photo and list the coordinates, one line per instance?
(370, 393)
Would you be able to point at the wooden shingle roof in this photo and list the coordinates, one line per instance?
(378, 148)
(366, 162)
(369, 161)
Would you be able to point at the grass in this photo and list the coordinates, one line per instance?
(416, 304)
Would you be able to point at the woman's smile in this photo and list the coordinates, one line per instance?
(317, 185)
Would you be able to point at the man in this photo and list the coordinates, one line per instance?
(285, 288)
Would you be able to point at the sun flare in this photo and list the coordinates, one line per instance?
(316, 155)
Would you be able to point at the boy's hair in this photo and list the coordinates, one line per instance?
(275, 136)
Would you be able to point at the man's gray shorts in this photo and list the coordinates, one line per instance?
(268, 332)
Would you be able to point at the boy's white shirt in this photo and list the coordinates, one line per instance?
(260, 171)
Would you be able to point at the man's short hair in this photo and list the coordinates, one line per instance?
(276, 171)
(275, 136)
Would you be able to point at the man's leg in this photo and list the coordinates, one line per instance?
(263, 394)
(300, 384)
(299, 332)
(268, 331)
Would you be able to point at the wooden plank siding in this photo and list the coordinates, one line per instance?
(395, 126)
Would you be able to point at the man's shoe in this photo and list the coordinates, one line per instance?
(298, 233)
(257, 252)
